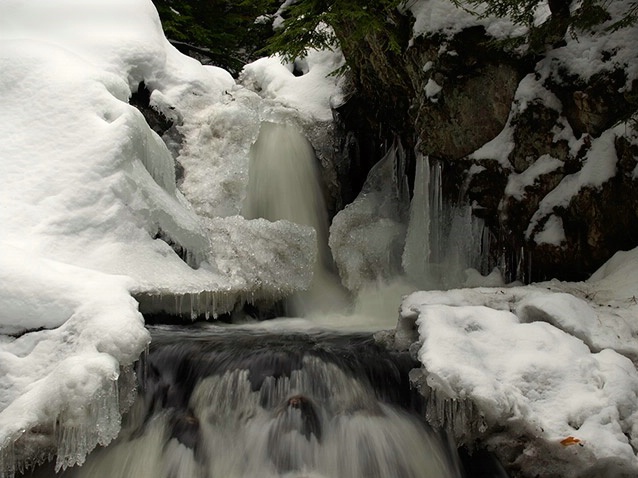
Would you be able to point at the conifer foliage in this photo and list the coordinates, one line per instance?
(306, 25)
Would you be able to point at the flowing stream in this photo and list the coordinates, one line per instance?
(276, 400)
(247, 402)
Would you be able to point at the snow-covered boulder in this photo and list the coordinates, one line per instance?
(544, 376)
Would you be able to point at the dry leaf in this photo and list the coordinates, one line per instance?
(571, 441)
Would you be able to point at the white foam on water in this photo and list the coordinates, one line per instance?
(317, 422)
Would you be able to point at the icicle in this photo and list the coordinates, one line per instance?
(101, 425)
(127, 383)
(142, 366)
(400, 177)
(436, 212)
(193, 313)
(416, 253)
(208, 304)
(485, 250)
(520, 265)
(459, 417)
(7, 460)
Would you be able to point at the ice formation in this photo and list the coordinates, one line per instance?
(383, 236)
(367, 237)
(92, 217)
(416, 253)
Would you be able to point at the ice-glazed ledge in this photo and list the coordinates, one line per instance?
(78, 428)
(73, 332)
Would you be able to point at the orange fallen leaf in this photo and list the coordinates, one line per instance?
(570, 441)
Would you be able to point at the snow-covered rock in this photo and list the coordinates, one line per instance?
(544, 375)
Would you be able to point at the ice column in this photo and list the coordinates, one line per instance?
(436, 212)
(416, 253)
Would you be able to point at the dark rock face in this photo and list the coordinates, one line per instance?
(593, 107)
(141, 99)
(452, 96)
(477, 85)
(597, 221)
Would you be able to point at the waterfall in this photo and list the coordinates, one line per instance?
(260, 402)
(239, 403)
(284, 183)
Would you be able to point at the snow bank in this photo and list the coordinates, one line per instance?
(68, 372)
(549, 367)
(91, 215)
(312, 94)
(589, 53)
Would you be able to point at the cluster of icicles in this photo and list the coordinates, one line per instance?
(75, 433)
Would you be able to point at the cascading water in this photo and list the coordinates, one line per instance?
(284, 183)
(263, 402)
(246, 403)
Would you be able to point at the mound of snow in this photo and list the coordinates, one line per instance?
(549, 367)
(312, 94)
(91, 215)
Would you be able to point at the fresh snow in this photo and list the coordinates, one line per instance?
(92, 218)
(442, 16)
(517, 183)
(599, 166)
(585, 53)
(432, 88)
(90, 209)
(588, 53)
(598, 163)
(552, 232)
(546, 362)
(313, 94)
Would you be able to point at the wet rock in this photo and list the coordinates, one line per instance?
(185, 428)
(310, 422)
